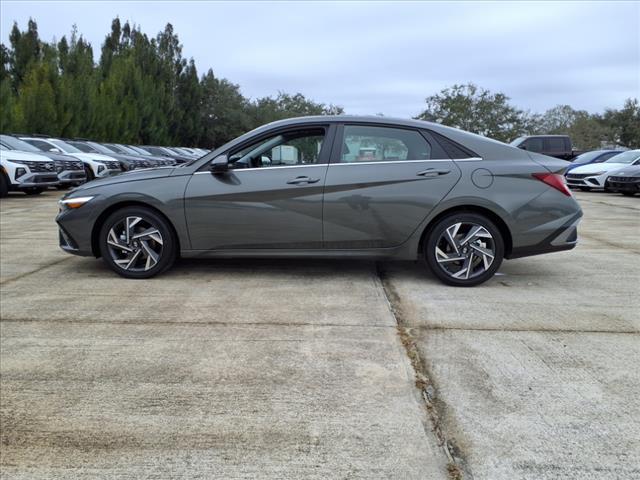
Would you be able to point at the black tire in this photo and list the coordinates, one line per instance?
(33, 190)
(4, 186)
(628, 194)
(167, 255)
(435, 236)
(62, 187)
(89, 173)
(585, 189)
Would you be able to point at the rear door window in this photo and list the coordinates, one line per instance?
(554, 144)
(365, 143)
(535, 144)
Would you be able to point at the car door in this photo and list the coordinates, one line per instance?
(270, 198)
(381, 184)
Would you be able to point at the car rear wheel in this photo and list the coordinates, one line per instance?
(464, 249)
(136, 242)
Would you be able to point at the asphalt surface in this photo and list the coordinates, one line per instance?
(306, 369)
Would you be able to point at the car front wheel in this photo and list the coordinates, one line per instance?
(464, 249)
(136, 242)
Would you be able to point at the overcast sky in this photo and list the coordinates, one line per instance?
(386, 57)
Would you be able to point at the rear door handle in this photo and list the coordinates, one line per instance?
(299, 180)
(430, 173)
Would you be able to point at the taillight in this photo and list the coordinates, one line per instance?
(554, 180)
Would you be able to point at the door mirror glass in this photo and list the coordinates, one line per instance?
(220, 164)
(54, 150)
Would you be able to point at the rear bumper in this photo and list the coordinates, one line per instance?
(563, 238)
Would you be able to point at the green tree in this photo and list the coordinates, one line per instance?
(625, 123)
(476, 110)
(36, 107)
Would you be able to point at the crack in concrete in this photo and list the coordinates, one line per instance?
(26, 274)
(456, 467)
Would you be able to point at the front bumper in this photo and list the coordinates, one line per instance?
(72, 177)
(38, 180)
(585, 180)
(624, 184)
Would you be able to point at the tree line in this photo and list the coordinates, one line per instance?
(142, 90)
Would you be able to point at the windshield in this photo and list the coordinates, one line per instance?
(141, 151)
(100, 148)
(83, 147)
(123, 149)
(587, 157)
(65, 147)
(18, 144)
(625, 157)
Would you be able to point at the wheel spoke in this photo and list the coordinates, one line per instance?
(130, 222)
(486, 255)
(152, 233)
(112, 239)
(442, 257)
(451, 236)
(152, 257)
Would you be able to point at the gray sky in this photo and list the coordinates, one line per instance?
(385, 57)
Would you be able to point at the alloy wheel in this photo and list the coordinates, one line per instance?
(465, 250)
(135, 244)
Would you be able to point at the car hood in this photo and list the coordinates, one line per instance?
(96, 157)
(27, 156)
(599, 167)
(130, 176)
(629, 171)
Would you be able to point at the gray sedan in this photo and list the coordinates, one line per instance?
(332, 186)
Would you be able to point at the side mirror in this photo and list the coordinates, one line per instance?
(220, 164)
(54, 150)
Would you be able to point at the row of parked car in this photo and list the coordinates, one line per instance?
(607, 170)
(32, 163)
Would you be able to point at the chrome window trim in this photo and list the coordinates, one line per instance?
(268, 168)
(472, 159)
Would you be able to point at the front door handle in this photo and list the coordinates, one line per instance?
(299, 180)
(431, 173)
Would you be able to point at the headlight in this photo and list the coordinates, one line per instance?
(76, 202)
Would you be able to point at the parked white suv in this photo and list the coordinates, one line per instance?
(27, 172)
(97, 165)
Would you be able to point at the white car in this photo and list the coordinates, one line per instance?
(97, 164)
(27, 172)
(594, 175)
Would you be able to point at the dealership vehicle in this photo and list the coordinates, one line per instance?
(27, 172)
(70, 170)
(160, 154)
(460, 201)
(593, 176)
(179, 158)
(96, 165)
(127, 162)
(595, 156)
(625, 181)
(558, 146)
(123, 149)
